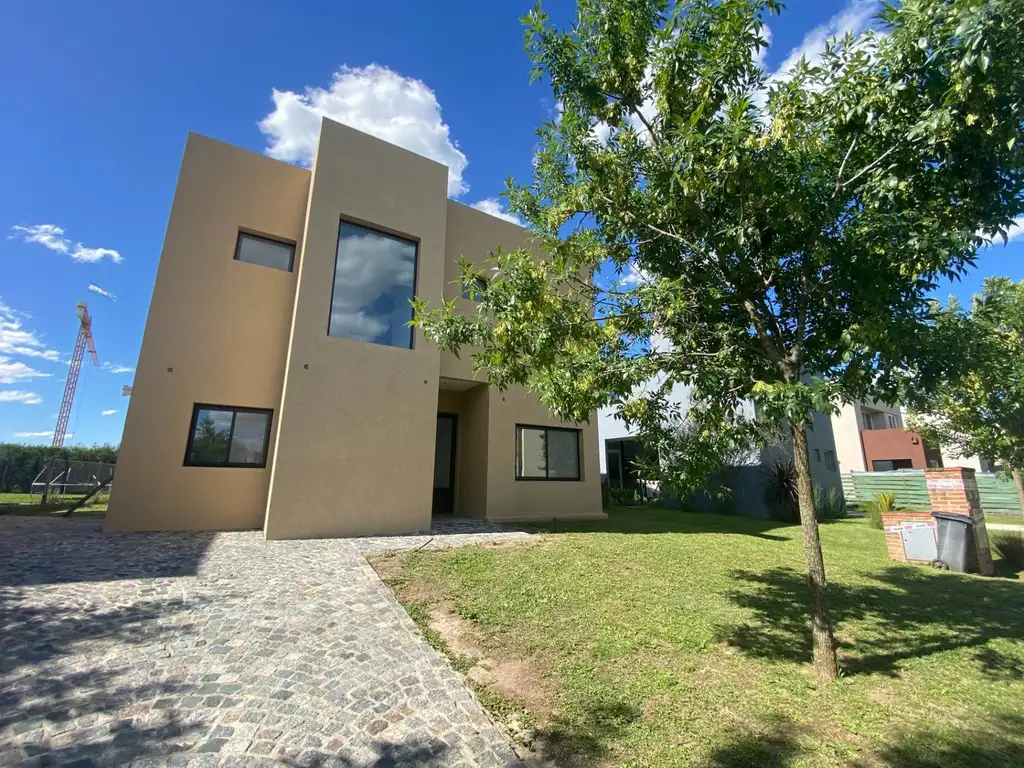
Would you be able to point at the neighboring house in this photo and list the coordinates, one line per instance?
(279, 385)
(870, 437)
(620, 445)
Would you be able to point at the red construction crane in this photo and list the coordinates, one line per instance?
(83, 342)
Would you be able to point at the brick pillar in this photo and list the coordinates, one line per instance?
(893, 523)
(954, 490)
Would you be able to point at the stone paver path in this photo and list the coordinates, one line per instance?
(221, 649)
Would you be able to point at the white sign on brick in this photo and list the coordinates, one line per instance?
(946, 484)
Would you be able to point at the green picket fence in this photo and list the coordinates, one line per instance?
(998, 496)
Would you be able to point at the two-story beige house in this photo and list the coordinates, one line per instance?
(279, 385)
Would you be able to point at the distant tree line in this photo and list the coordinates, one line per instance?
(20, 464)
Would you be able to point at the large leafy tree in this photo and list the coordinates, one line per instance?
(779, 234)
(977, 407)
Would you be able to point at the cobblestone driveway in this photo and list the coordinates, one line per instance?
(218, 649)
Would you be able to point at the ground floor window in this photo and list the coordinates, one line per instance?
(889, 465)
(226, 436)
(547, 453)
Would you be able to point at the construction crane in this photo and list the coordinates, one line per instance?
(83, 342)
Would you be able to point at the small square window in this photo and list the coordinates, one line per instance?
(264, 251)
(547, 453)
(830, 461)
(473, 293)
(222, 436)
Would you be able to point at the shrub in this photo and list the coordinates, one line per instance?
(780, 493)
(883, 502)
(830, 504)
(1010, 546)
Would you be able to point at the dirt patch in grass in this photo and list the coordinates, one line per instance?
(514, 689)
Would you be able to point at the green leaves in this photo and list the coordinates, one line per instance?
(976, 405)
(778, 240)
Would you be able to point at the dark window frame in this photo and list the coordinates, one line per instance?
(547, 467)
(267, 239)
(235, 410)
(377, 230)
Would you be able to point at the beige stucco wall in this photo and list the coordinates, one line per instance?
(846, 428)
(353, 430)
(475, 235)
(520, 500)
(222, 326)
(355, 445)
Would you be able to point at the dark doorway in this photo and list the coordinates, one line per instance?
(444, 464)
(621, 457)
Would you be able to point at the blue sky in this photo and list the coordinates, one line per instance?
(101, 96)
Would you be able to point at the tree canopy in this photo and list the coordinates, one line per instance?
(976, 407)
(776, 237)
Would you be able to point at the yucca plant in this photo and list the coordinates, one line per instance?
(883, 502)
(780, 491)
(830, 504)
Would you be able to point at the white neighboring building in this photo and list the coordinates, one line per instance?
(617, 445)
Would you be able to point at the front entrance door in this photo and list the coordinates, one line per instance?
(444, 465)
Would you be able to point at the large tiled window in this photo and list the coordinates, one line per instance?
(547, 453)
(256, 249)
(224, 436)
(374, 280)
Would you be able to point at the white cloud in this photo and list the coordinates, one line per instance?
(81, 253)
(115, 368)
(15, 340)
(47, 435)
(373, 99)
(11, 372)
(109, 412)
(632, 275)
(372, 283)
(1016, 230)
(494, 207)
(761, 53)
(19, 396)
(853, 18)
(47, 235)
(51, 236)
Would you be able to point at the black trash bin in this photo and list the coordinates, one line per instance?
(956, 542)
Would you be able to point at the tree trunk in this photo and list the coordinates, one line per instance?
(824, 642)
(1020, 487)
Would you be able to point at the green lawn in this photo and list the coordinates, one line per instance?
(1005, 519)
(663, 638)
(28, 504)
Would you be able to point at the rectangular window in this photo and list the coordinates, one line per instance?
(473, 294)
(817, 455)
(830, 461)
(867, 419)
(374, 280)
(264, 251)
(222, 436)
(893, 421)
(547, 453)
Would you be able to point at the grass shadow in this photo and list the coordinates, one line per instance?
(998, 745)
(654, 520)
(772, 745)
(579, 739)
(41, 550)
(913, 612)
